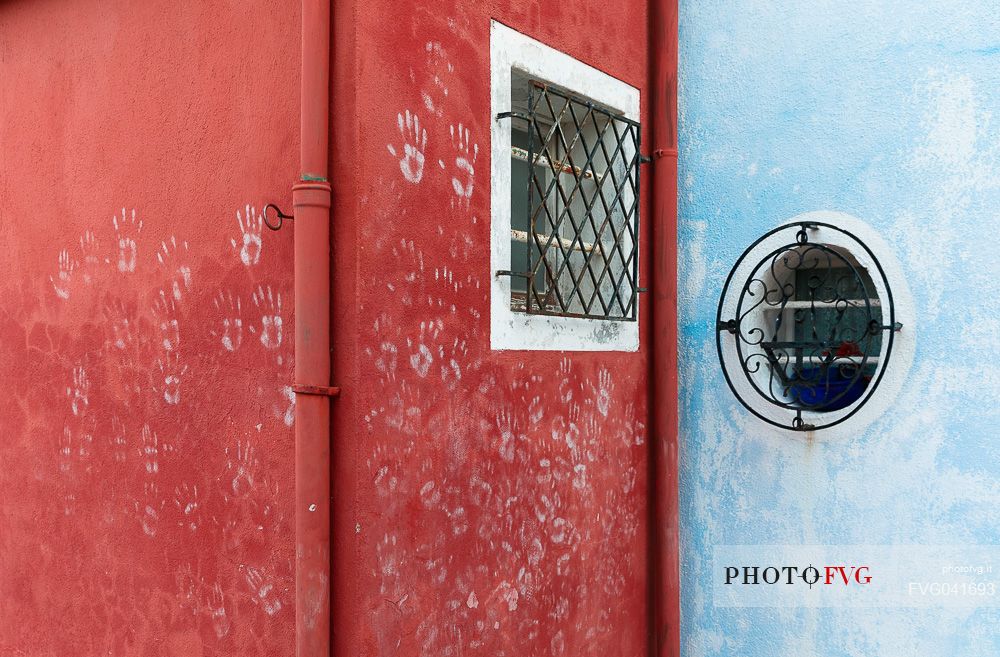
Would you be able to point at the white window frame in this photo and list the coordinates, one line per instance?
(509, 329)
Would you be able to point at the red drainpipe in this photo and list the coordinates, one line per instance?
(665, 586)
(311, 200)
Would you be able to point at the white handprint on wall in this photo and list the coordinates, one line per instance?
(118, 441)
(249, 243)
(439, 70)
(61, 281)
(231, 310)
(466, 153)
(151, 508)
(120, 319)
(243, 468)
(602, 391)
(66, 450)
(171, 372)
(172, 257)
(89, 247)
(78, 392)
(150, 450)
(414, 145)
(288, 395)
(269, 304)
(186, 500)
(127, 231)
(165, 313)
(217, 609)
(262, 590)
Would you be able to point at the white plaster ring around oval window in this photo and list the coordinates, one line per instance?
(897, 368)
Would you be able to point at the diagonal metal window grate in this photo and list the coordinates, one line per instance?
(804, 333)
(575, 227)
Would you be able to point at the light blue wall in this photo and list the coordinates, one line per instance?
(888, 111)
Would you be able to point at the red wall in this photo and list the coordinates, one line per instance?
(130, 525)
(485, 503)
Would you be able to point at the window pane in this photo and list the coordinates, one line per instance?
(518, 211)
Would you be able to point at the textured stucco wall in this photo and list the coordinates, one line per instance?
(486, 502)
(886, 111)
(489, 503)
(146, 444)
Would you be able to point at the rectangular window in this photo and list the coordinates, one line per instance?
(574, 205)
(565, 201)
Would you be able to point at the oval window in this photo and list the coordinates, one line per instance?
(805, 326)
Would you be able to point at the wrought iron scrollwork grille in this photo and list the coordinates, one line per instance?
(582, 241)
(806, 331)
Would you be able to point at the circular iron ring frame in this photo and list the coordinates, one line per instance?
(732, 326)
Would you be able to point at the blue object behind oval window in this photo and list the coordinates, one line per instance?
(831, 391)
